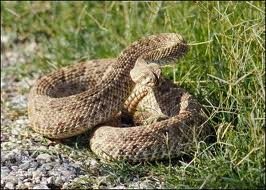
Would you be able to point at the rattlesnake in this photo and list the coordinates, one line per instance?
(94, 95)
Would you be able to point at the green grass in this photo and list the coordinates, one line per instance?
(225, 70)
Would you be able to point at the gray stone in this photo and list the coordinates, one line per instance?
(27, 180)
(40, 186)
(10, 185)
(12, 178)
(64, 178)
(36, 175)
(9, 156)
(26, 172)
(25, 166)
(45, 157)
(34, 164)
(47, 166)
(19, 101)
(119, 187)
(66, 173)
(30, 170)
(50, 180)
(29, 185)
(36, 180)
(21, 186)
(58, 181)
(93, 164)
(29, 175)
(21, 175)
(4, 171)
(4, 168)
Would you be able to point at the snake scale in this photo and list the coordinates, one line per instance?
(103, 95)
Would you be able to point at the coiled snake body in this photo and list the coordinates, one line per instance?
(98, 94)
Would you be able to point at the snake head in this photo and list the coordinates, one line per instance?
(147, 75)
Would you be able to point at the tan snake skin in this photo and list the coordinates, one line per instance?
(96, 95)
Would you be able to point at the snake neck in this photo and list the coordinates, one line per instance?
(155, 48)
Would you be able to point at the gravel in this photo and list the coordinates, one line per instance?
(37, 171)
(27, 160)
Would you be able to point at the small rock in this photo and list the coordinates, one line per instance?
(65, 185)
(42, 148)
(27, 180)
(22, 121)
(36, 175)
(19, 101)
(4, 168)
(9, 157)
(9, 185)
(25, 166)
(15, 131)
(21, 175)
(4, 171)
(47, 166)
(119, 187)
(94, 166)
(93, 162)
(4, 38)
(29, 185)
(147, 184)
(40, 186)
(65, 178)
(3, 84)
(14, 168)
(45, 157)
(36, 180)
(21, 186)
(58, 181)
(29, 175)
(34, 165)
(66, 173)
(19, 181)
(30, 170)
(50, 180)
(12, 178)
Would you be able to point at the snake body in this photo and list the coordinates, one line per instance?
(89, 95)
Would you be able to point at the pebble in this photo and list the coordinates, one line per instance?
(94, 166)
(4, 39)
(50, 180)
(45, 157)
(27, 180)
(58, 181)
(22, 170)
(33, 165)
(30, 170)
(36, 174)
(29, 185)
(9, 185)
(12, 179)
(93, 163)
(19, 101)
(41, 186)
(47, 166)
(4, 171)
(24, 166)
(119, 187)
(8, 157)
(21, 186)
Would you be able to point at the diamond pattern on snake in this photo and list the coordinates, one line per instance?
(132, 112)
